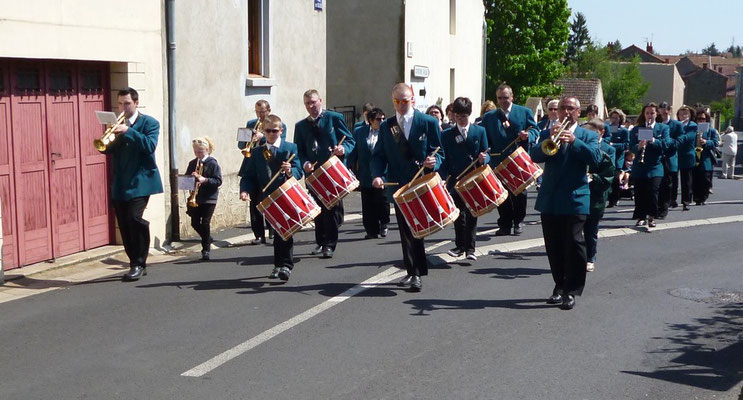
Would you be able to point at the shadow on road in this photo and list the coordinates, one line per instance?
(510, 273)
(424, 305)
(709, 352)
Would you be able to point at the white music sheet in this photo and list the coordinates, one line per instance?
(186, 182)
(644, 134)
(244, 134)
(106, 117)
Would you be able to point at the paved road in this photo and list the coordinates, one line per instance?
(661, 318)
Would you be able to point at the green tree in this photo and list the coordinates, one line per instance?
(726, 108)
(526, 42)
(711, 50)
(587, 61)
(736, 51)
(623, 85)
(578, 39)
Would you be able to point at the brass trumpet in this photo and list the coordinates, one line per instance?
(109, 136)
(698, 149)
(249, 147)
(192, 197)
(552, 144)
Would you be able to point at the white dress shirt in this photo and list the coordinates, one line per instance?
(133, 117)
(464, 130)
(406, 121)
(371, 140)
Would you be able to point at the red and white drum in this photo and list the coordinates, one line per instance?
(289, 208)
(426, 205)
(518, 171)
(481, 191)
(332, 182)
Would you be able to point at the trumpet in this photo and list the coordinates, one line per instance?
(698, 149)
(249, 147)
(552, 144)
(192, 197)
(109, 136)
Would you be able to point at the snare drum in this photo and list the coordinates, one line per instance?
(518, 171)
(481, 191)
(289, 208)
(426, 205)
(332, 182)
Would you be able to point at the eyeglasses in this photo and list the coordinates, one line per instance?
(503, 97)
(568, 108)
(402, 101)
(379, 118)
(272, 130)
(553, 109)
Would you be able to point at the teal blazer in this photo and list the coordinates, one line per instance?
(251, 124)
(676, 129)
(360, 158)
(620, 141)
(387, 160)
(685, 145)
(689, 143)
(520, 119)
(564, 189)
(255, 171)
(332, 128)
(459, 154)
(601, 178)
(653, 165)
(134, 166)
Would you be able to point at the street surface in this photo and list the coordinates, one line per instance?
(661, 318)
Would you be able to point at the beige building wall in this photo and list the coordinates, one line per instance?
(215, 95)
(665, 84)
(127, 34)
(447, 37)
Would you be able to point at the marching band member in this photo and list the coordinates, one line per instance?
(669, 185)
(257, 224)
(592, 112)
(436, 112)
(462, 144)
(599, 182)
(563, 201)
(375, 206)
(135, 178)
(705, 163)
(486, 106)
(364, 116)
(551, 119)
(317, 138)
(503, 126)
(208, 182)
(406, 142)
(685, 149)
(257, 171)
(647, 170)
(619, 140)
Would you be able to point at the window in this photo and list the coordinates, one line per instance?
(60, 80)
(257, 37)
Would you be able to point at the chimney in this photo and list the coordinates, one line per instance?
(649, 47)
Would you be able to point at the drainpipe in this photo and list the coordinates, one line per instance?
(170, 32)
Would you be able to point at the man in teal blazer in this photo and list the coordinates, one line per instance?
(685, 144)
(564, 199)
(317, 138)
(463, 143)
(257, 171)
(503, 125)
(375, 205)
(407, 141)
(135, 178)
(669, 185)
(618, 137)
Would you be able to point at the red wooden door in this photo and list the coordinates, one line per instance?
(64, 158)
(30, 161)
(93, 86)
(7, 181)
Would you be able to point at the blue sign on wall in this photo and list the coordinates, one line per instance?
(318, 5)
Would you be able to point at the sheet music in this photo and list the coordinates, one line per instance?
(702, 126)
(106, 117)
(186, 182)
(644, 134)
(244, 134)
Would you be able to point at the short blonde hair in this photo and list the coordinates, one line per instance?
(205, 142)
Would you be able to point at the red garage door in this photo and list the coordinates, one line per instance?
(54, 184)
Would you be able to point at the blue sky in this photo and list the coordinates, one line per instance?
(675, 26)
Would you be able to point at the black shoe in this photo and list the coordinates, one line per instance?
(384, 232)
(686, 208)
(699, 203)
(471, 256)
(270, 234)
(518, 229)
(274, 273)
(611, 205)
(456, 252)
(327, 253)
(554, 299)
(405, 281)
(135, 272)
(416, 284)
(674, 204)
(568, 302)
(205, 255)
(651, 223)
(258, 241)
(368, 236)
(284, 273)
(317, 251)
(503, 232)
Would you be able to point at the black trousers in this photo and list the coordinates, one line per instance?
(413, 252)
(701, 184)
(283, 252)
(135, 230)
(646, 197)
(686, 181)
(566, 252)
(512, 211)
(327, 223)
(465, 226)
(201, 218)
(375, 210)
(257, 223)
(667, 192)
(615, 191)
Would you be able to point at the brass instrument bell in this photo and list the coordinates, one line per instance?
(108, 136)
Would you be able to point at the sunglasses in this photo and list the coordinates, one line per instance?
(379, 119)
(272, 130)
(403, 101)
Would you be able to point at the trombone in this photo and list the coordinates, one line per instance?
(552, 144)
(109, 136)
(249, 146)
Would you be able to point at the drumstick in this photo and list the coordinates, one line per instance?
(424, 166)
(390, 183)
(276, 175)
(469, 166)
